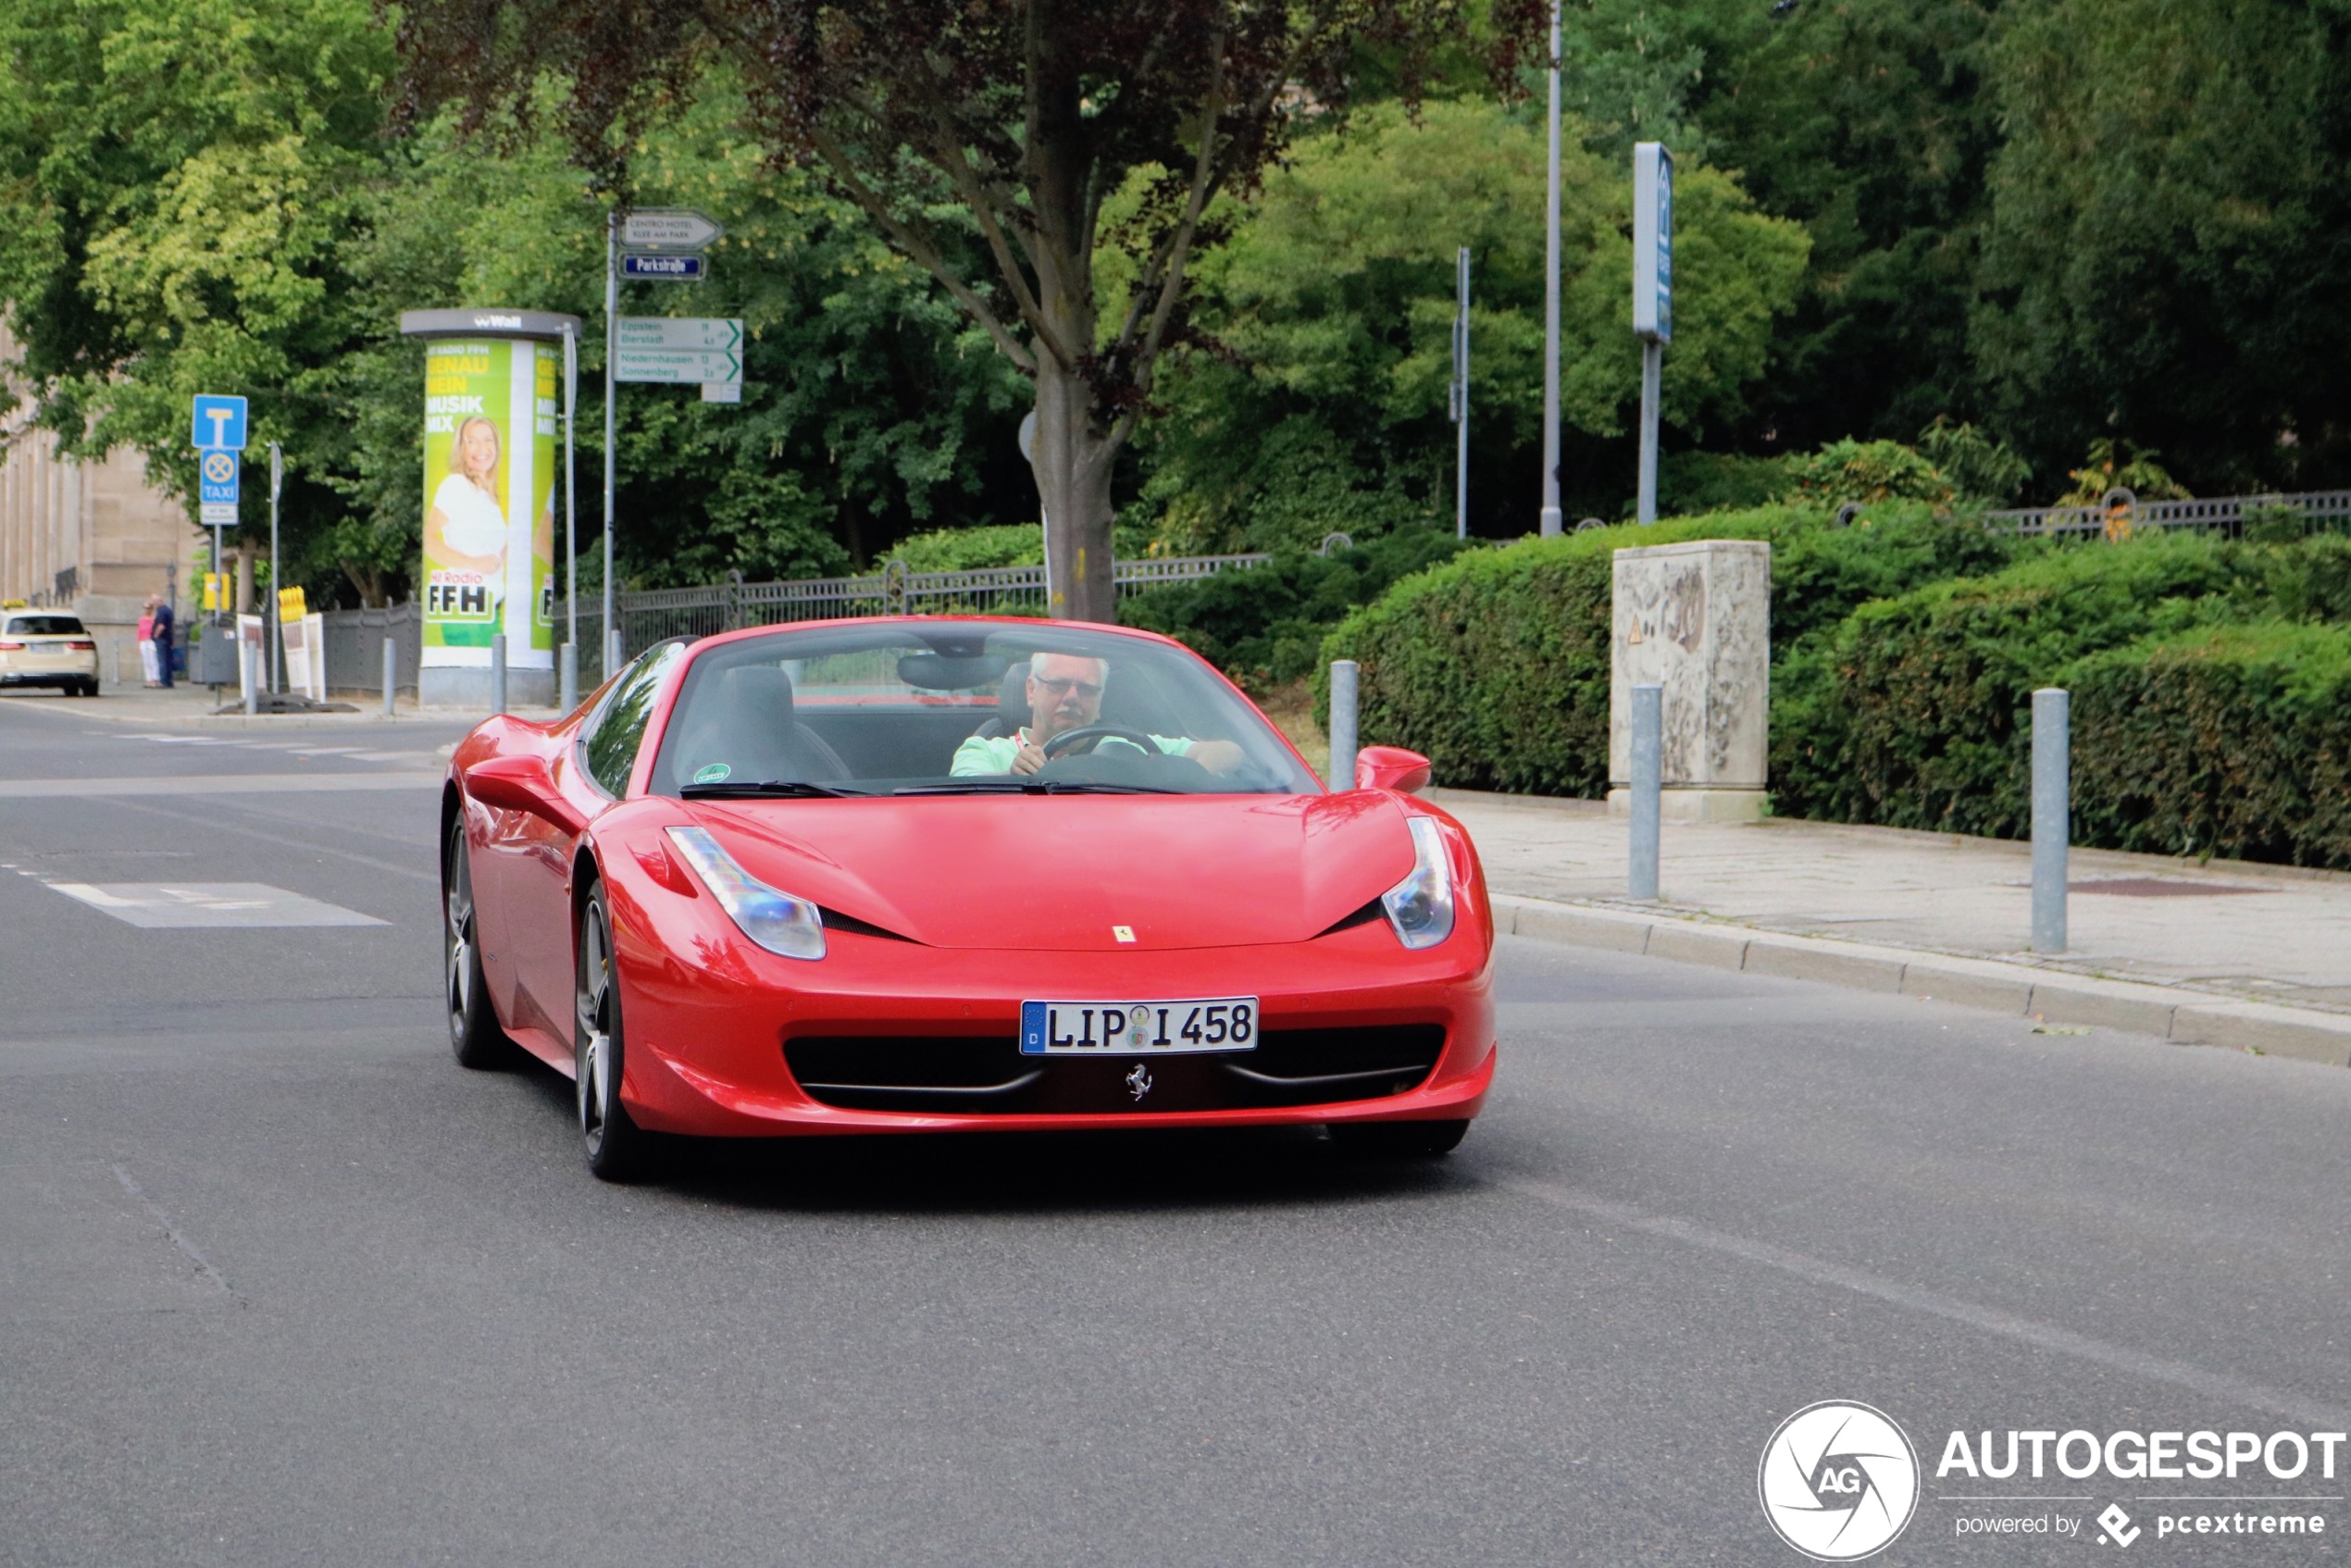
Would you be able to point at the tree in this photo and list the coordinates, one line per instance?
(991, 128)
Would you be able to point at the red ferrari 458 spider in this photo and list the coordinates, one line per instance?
(931, 874)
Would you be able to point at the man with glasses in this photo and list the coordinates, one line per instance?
(1065, 693)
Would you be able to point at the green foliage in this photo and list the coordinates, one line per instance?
(2119, 462)
(1866, 471)
(1333, 305)
(2231, 741)
(1979, 467)
(1496, 665)
(1690, 483)
(1914, 712)
(1266, 625)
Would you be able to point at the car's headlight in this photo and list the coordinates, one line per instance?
(775, 919)
(1420, 908)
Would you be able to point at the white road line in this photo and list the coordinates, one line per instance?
(1989, 1320)
(209, 905)
(216, 784)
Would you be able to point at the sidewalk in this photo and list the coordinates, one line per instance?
(186, 705)
(2227, 953)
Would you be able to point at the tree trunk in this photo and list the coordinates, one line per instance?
(1072, 460)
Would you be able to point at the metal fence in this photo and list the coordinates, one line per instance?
(2122, 514)
(651, 615)
(355, 648)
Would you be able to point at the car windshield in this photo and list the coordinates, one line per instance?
(959, 708)
(45, 625)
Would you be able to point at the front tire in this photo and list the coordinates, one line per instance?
(474, 1035)
(617, 1149)
(1399, 1141)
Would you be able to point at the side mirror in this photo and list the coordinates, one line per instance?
(1391, 768)
(523, 783)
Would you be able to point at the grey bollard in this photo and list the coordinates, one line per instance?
(498, 672)
(567, 677)
(612, 653)
(1343, 742)
(1648, 745)
(250, 671)
(392, 675)
(2052, 806)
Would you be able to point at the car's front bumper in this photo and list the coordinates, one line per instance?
(707, 1039)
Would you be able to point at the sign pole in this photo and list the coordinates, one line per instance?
(612, 316)
(1460, 393)
(1551, 519)
(1652, 368)
(277, 578)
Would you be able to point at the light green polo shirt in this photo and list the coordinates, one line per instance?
(994, 754)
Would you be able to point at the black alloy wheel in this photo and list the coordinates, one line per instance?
(1397, 1140)
(617, 1150)
(474, 1034)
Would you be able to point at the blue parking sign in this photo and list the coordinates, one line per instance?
(217, 477)
(220, 424)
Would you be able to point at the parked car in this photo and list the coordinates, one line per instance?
(42, 648)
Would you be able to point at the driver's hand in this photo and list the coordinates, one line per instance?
(1030, 758)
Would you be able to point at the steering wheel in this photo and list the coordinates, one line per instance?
(1098, 733)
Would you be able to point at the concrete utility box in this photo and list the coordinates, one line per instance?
(1695, 618)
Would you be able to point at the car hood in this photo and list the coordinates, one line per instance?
(1063, 872)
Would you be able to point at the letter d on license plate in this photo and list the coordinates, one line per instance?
(1138, 1028)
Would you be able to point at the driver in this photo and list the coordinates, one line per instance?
(1065, 693)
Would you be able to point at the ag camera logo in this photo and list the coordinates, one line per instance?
(1839, 1481)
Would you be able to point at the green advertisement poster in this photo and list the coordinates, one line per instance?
(490, 423)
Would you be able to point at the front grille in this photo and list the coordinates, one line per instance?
(986, 1075)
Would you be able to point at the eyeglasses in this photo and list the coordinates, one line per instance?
(1062, 685)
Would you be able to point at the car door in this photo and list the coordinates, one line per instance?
(592, 771)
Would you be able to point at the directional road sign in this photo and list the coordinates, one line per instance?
(1652, 242)
(220, 424)
(216, 481)
(681, 350)
(668, 228)
(685, 268)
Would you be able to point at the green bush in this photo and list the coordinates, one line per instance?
(1912, 712)
(1265, 625)
(2231, 741)
(993, 544)
(1496, 665)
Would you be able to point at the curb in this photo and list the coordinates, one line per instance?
(2018, 989)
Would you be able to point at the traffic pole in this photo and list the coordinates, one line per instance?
(1461, 392)
(1344, 742)
(1653, 372)
(1551, 517)
(612, 340)
(1647, 795)
(276, 609)
(498, 673)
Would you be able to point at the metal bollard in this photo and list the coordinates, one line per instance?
(2052, 805)
(392, 675)
(249, 670)
(567, 677)
(612, 653)
(498, 672)
(1343, 741)
(1648, 745)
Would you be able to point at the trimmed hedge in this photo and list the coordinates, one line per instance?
(1914, 712)
(2233, 741)
(1496, 665)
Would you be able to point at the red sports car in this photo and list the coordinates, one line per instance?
(927, 874)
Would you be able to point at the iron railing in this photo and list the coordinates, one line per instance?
(2122, 514)
(648, 615)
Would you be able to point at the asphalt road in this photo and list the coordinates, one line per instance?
(282, 1284)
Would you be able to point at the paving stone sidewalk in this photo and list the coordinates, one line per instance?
(2272, 933)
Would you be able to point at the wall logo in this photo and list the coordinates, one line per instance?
(1839, 1481)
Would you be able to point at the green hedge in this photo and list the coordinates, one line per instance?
(1914, 712)
(1496, 665)
(2229, 740)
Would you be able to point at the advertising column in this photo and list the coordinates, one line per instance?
(492, 407)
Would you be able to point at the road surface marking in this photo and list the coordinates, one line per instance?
(209, 905)
(216, 784)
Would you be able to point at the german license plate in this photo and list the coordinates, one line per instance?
(1138, 1028)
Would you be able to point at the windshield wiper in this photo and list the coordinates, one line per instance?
(1001, 786)
(750, 790)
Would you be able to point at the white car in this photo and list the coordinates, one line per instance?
(42, 648)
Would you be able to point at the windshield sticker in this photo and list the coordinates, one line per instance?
(712, 773)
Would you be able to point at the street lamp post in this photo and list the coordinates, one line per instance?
(1550, 522)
